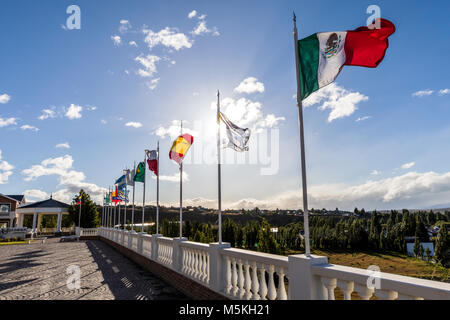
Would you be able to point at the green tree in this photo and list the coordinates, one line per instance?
(89, 214)
(440, 251)
(266, 240)
(417, 247)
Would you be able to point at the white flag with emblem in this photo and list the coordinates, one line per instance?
(237, 137)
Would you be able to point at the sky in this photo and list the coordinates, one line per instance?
(77, 106)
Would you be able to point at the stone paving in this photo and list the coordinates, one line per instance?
(39, 272)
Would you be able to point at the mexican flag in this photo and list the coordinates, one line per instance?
(322, 55)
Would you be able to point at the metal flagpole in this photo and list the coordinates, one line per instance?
(143, 196)
(157, 191)
(118, 217)
(302, 142)
(115, 211)
(103, 211)
(181, 188)
(126, 193)
(134, 188)
(79, 215)
(219, 174)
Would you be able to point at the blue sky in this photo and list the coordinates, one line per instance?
(78, 90)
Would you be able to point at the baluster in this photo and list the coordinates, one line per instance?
(248, 283)
(386, 294)
(347, 288)
(262, 283)
(330, 284)
(363, 291)
(272, 294)
(234, 278)
(281, 287)
(191, 262)
(241, 280)
(205, 267)
(228, 275)
(255, 285)
(197, 264)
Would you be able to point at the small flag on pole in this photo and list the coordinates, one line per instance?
(140, 172)
(180, 147)
(237, 137)
(129, 174)
(152, 160)
(79, 200)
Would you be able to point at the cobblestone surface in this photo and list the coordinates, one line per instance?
(39, 272)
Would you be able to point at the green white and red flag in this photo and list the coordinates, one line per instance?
(323, 55)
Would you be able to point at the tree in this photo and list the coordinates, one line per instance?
(89, 213)
(229, 231)
(417, 247)
(441, 248)
(428, 254)
(266, 240)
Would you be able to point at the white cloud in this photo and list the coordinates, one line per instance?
(247, 113)
(173, 130)
(202, 17)
(133, 124)
(91, 108)
(201, 28)
(192, 14)
(250, 85)
(74, 112)
(408, 165)
(444, 91)
(7, 122)
(64, 145)
(168, 37)
(149, 63)
(174, 177)
(133, 43)
(47, 113)
(410, 190)
(125, 25)
(103, 121)
(340, 101)
(423, 93)
(375, 172)
(5, 170)
(153, 84)
(36, 194)
(117, 40)
(70, 180)
(28, 127)
(363, 118)
(4, 98)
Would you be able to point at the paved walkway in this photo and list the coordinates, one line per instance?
(39, 272)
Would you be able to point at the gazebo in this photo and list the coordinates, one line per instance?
(38, 209)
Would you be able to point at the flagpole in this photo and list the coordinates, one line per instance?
(181, 188)
(143, 196)
(126, 194)
(157, 192)
(134, 188)
(219, 174)
(79, 214)
(118, 216)
(302, 143)
(115, 211)
(103, 211)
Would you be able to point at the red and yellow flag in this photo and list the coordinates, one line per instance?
(180, 147)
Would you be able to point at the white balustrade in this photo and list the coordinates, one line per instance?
(248, 275)
(195, 260)
(165, 249)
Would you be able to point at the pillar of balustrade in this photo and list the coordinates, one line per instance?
(303, 285)
(177, 254)
(217, 266)
(154, 241)
(140, 241)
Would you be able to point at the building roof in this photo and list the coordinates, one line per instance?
(17, 197)
(10, 197)
(50, 203)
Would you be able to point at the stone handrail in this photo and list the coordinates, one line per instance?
(244, 274)
(385, 286)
